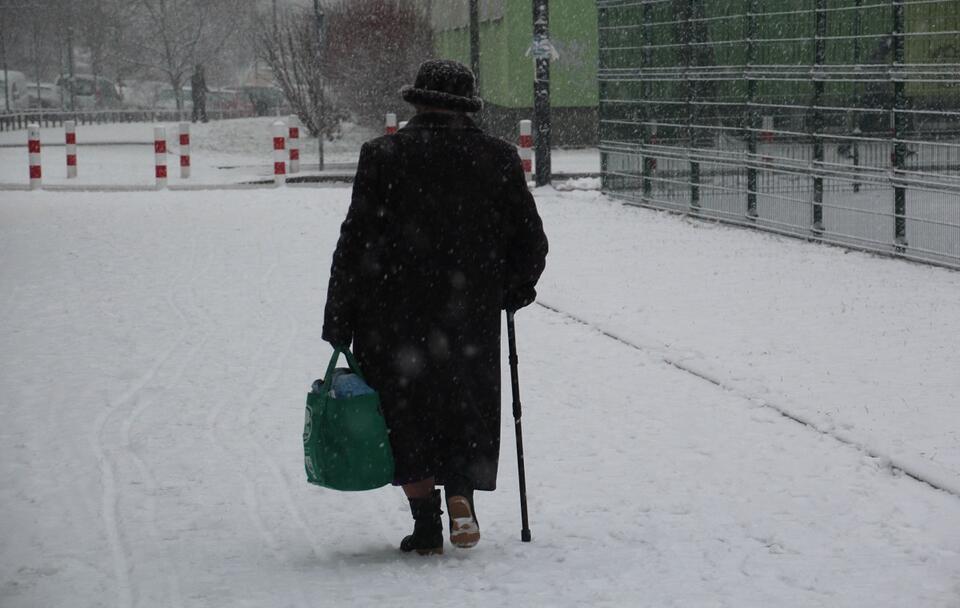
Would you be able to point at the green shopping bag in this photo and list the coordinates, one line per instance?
(345, 442)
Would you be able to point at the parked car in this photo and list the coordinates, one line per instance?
(141, 94)
(89, 93)
(266, 100)
(43, 95)
(228, 100)
(12, 90)
(167, 99)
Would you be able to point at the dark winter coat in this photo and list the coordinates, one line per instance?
(198, 88)
(441, 234)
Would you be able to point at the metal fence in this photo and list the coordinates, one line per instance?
(835, 120)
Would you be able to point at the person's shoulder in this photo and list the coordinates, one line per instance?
(497, 145)
(385, 145)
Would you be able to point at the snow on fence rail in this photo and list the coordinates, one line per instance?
(741, 111)
(11, 121)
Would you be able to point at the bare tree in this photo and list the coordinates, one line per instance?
(374, 47)
(172, 36)
(26, 28)
(292, 51)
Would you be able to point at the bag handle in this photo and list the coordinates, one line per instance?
(351, 361)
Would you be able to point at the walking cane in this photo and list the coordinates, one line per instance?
(512, 339)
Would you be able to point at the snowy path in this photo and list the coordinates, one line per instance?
(158, 347)
(862, 347)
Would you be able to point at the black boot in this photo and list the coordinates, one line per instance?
(427, 537)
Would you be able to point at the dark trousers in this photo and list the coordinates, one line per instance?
(200, 110)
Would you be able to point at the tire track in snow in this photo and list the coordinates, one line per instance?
(114, 513)
(252, 403)
(144, 470)
(913, 469)
(279, 473)
(109, 508)
(250, 489)
(10, 304)
(251, 502)
(265, 456)
(6, 247)
(250, 498)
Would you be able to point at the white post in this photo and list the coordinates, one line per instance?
(766, 129)
(391, 123)
(70, 128)
(279, 153)
(33, 148)
(184, 150)
(766, 136)
(160, 156)
(526, 148)
(294, 143)
(653, 142)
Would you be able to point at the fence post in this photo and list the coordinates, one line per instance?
(541, 96)
(391, 126)
(753, 115)
(767, 126)
(33, 149)
(691, 111)
(857, 92)
(899, 128)
(526, 149)
(160, 156)
(648, 163)
(603, 91)
(184, 150)
(294, 135)
(279, 153)
(70, 129)
(820, 54)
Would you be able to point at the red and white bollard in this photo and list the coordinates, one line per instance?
(294, 144)
(766, 130)
(184, 150)
(279, 153)
(33, 148)
(526, 148)
(391, 123)
(766, 136)
(160, 156)
(70, 128)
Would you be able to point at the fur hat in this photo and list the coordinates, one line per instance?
(442, 83)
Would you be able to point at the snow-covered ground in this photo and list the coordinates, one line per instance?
(158, 347)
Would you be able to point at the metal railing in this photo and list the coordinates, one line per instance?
(833, 120)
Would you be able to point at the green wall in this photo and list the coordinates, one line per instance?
(506, 73)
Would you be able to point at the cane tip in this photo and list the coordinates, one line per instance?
(525, 536)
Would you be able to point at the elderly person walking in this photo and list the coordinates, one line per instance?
(441, 235)
(198, 91)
